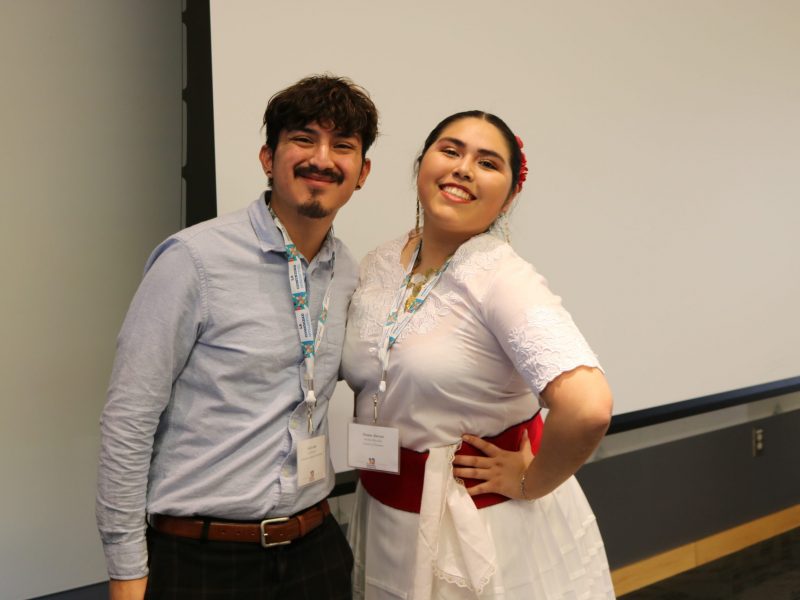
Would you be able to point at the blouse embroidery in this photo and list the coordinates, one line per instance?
(382, 271)
(475, 257)
(547, 344)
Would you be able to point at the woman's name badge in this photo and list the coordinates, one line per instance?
(312, 460)
(373, 447)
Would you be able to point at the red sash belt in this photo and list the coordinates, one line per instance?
(404, 490)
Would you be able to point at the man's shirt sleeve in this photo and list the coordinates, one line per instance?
(163, 322)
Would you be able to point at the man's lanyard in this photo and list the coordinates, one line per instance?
(396, 321)
(308, 341)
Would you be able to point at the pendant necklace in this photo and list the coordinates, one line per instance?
(417, 281)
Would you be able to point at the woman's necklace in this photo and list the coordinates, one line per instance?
(417, 281)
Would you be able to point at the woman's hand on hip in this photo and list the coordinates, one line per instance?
(500, 470)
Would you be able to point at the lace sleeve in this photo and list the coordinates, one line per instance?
(536, 331)
(546, 344)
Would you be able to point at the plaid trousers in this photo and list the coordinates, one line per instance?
(317, 566)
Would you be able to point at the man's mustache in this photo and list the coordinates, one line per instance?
(328, 174)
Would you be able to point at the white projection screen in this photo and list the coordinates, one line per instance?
(663, 140)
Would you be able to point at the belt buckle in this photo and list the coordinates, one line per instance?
(264, 534)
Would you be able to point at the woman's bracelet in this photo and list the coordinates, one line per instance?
(522, 487)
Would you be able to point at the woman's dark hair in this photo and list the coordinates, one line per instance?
(508, 135)
(330, 101)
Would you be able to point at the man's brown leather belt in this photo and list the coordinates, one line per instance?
(269, 532)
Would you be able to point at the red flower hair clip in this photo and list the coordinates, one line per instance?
(523, 165)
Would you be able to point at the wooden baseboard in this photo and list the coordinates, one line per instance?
(643, 573)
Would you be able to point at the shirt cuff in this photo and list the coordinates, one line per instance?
(126, 561)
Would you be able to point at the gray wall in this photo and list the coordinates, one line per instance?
(90, 183)
(667, 495)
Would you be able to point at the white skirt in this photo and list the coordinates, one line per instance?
(548, 549)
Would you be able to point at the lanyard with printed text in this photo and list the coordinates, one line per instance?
(308, 341)
(396, 322)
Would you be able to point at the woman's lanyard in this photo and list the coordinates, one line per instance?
(308, 341)
(397, 320)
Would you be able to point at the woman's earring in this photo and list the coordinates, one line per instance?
(419, 216)
(502, 224)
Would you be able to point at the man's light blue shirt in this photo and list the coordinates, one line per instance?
(205, 407)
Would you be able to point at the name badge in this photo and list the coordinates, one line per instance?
(373, 447)
(312, 460)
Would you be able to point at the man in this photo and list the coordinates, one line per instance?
(215, 421)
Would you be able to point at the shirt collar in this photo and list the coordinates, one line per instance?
(271, 240)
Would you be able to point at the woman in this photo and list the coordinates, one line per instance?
(451, 333)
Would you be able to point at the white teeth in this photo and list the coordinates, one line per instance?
(458, 192)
